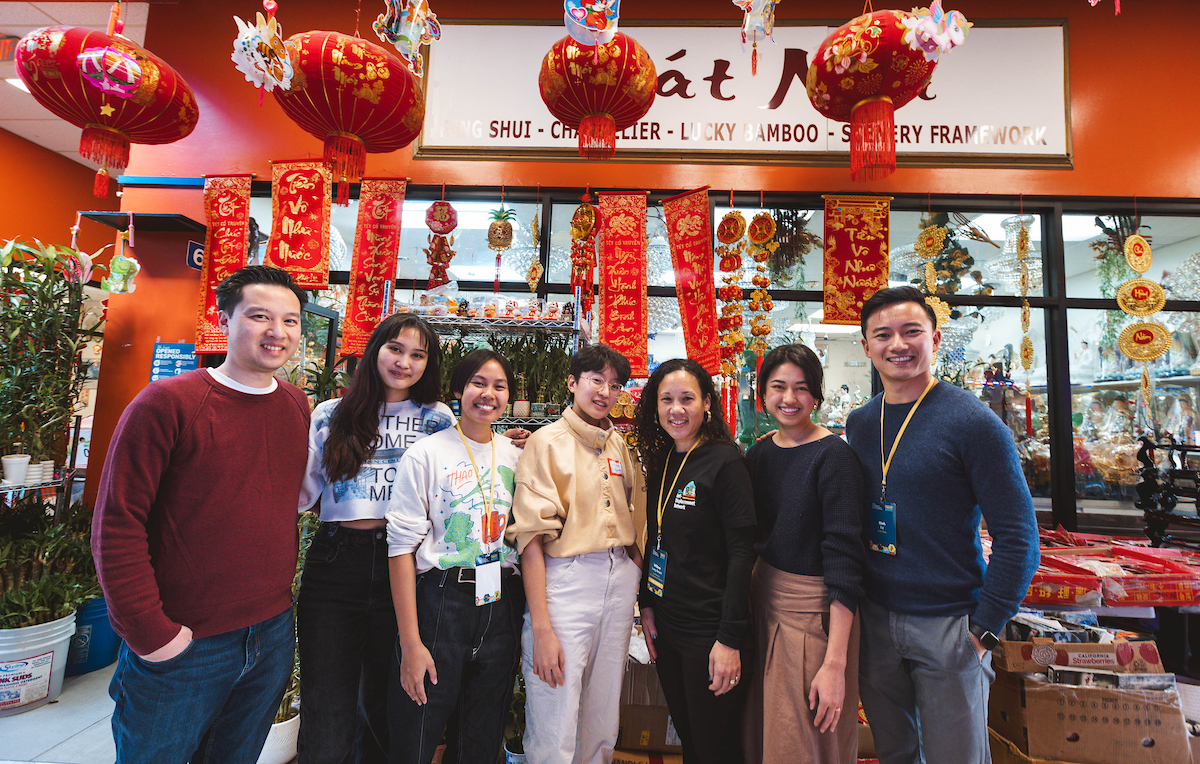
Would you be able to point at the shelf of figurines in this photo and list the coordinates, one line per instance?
(484, 325)
(1126, 384)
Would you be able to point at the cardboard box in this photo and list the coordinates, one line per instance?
(866, 742)
(645, 720)
(1037, 654)
(1088, 725)
(1007, 752)
(645, 757)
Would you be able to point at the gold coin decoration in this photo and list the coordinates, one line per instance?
(930, 241)
(940, 309)
(1137, 253)
(630, 410)
(1141, 297)
(624, 398)
(1144, 341)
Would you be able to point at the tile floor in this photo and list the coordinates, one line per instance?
(74, 729)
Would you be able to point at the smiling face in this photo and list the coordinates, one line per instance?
(401, 363)
(788, 399)
(484, 396)
(595, 394)
(681, 409)
(262, 332)
(901, 343)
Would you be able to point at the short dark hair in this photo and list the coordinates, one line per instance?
(470, 365)
(229, 291)
(596, 358)
(800, 356)
(894, 296)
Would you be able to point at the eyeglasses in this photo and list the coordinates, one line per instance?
(599, 384)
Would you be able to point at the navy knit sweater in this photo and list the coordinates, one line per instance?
(955, 460)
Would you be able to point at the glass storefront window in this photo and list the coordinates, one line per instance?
(1095, 259)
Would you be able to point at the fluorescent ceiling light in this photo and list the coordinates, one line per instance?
(17, 83)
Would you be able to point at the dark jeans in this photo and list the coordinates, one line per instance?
(476, 651)
(346, 628)
(709, 725)
(214, 702)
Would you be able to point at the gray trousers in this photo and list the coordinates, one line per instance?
(924, 688)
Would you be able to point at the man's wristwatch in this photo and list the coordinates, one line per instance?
(985, 637)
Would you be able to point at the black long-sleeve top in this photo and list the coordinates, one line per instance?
(810, 501)
(708, 535)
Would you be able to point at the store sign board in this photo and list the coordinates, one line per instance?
(172, 359)
(999, 99)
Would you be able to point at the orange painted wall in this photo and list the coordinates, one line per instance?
(1133, 113)
(43, 190)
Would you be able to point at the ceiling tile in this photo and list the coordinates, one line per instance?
(94, 15)
(54, 134)
(25, 15)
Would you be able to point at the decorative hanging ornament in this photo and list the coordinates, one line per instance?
(1144, 341)
(730, 246)
(591, 23)
(1116, 10)
(761, 232)
(408, 24)
(534, 274)
(598, 91)
(260, 53)
(116, 90)
(355, 96)
(758, 22)
(585, 225)
(500, 236)
(1137, 253)
(930, 241)
(441, 219)
(873, 65)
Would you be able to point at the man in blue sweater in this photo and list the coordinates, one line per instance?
(935, 459)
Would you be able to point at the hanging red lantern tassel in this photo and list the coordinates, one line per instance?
(597, 137)
(107, 148)
(872, 139)
(347, 158)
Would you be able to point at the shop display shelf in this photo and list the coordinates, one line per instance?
(528, 422)
(443, 324)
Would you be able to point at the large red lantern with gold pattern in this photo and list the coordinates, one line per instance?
(598, 90)
(355, 96)
(873, 65)
(113, 88)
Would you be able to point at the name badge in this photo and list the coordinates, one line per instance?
(882, 532)
(658, 571)
(487, 578)
(614, 467)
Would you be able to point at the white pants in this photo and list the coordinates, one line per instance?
(590, 599)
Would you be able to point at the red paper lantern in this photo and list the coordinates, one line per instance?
(113, 88)
(355, 96)
(861, 74)
(599, 90)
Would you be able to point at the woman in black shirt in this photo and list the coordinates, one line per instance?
(695, 587)
(809, 495)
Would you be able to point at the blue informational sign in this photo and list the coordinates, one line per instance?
(195, 254)
(172, 359)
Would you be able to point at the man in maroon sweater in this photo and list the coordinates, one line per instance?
(195, 538)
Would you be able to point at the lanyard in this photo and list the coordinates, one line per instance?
(661, 506)
(888, 461)
(489, 499)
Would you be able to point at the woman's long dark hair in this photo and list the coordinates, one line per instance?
(653, 443)
(354, 426)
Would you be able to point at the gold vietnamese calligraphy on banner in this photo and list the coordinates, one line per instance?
(227, 215)
(624, 316)
(300, 198)
(689, 234)
(373, 265)
(856, 254)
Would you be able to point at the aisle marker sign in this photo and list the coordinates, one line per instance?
(172, 359)
(195, 255)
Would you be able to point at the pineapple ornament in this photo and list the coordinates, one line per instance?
(500, 234)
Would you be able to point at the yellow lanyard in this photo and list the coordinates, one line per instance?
(489, 499)
(661, 506)
(888, 461)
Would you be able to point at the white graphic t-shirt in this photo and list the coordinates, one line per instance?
(401, 425)
(440, 517)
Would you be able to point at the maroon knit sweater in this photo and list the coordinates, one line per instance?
(195, 520)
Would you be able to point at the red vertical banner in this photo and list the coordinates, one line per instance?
(300, 197)
(227, 214)
(856, 254)
(373, 265)
(689, 234)
(624, 316)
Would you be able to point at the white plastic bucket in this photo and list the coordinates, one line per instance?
(32, 662)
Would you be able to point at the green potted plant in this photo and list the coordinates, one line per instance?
(514, 741)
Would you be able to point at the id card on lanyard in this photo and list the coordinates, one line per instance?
(656, 580)
(487, 563)
(881, 533)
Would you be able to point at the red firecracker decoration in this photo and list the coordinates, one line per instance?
(355, 96)
(873, 65)
(441, 219)
(585, 225)
(116, 90)
(599, 90)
